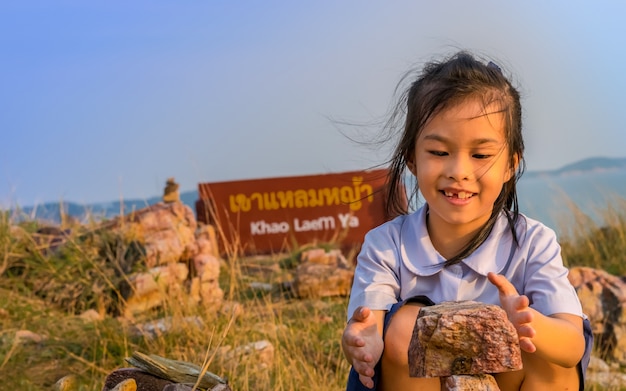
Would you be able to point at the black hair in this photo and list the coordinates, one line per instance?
(440, 85)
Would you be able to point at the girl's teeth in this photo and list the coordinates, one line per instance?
(461, 195)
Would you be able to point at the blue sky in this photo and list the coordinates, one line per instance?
(103, 100)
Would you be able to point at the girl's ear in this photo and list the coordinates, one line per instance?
(513, 168)
(410, 164)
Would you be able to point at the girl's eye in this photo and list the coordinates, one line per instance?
(481, 156)
(438, 153)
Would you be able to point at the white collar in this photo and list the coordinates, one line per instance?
(421, 258)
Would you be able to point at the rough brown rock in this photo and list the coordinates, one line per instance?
(126, 385)
(149, 289)
(158, 278)
(469, 383)
(167, 231)
(603, 298)
(207, 267)
(206, 239)
(463, 338)
(145, 381)
(321, 256)
(323, 274)
(170, 193)
(315, 280)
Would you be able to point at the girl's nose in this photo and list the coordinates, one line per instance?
(458, 168)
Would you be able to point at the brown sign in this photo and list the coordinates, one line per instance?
(278, 214)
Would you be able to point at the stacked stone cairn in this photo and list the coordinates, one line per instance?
(180, 257)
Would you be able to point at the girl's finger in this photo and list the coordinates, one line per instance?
(504, 286)
(522, 302)
(527, 345)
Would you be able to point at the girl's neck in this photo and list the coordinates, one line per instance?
(449, 239)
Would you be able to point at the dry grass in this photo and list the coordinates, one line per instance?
(602, 246)
(44, 291)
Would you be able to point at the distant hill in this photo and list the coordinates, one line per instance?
(83, 212)
(583, 166)
(50, 211)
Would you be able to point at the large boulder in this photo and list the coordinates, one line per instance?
(603, 298)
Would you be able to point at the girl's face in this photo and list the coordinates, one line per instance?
(461, 161)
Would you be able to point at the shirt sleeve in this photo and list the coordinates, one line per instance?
(376, 282)
(547, 285)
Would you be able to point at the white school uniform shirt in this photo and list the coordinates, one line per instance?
(398, 261)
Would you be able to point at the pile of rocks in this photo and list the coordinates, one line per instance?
(180, 256)
(322, 273)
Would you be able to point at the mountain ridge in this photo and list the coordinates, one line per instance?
(50, 211)
(583, 166)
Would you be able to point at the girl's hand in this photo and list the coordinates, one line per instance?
(362, 344)
(517, 309)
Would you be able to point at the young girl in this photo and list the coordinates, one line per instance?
(462, 141)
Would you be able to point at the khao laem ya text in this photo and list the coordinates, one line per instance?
(324, 223)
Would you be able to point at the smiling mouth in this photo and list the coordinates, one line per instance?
(462, 195)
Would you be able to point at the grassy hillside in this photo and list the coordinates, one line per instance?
(305, 333)
(44, 293)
